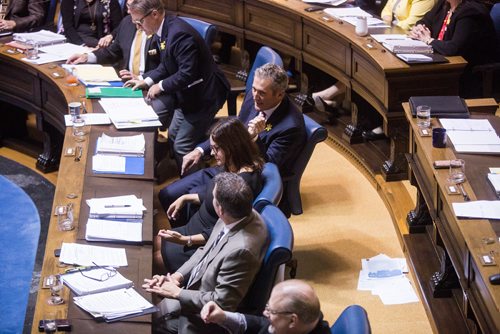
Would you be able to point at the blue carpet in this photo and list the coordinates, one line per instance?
(19, 233)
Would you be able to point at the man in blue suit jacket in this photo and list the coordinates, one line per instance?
(187, 79)
(272, 119)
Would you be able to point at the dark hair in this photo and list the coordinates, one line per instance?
(240, 150)
(233, 194)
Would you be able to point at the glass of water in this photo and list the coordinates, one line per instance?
(79, 129)
(424, 117)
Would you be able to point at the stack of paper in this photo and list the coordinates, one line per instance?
(42, 37)
(478, 209)
(94, 74)
(123, 146)
(86, 255)
(472, 135)
(115, 305)
(115, 219)
(82, 284)
(351, 14)
(495, 182)
(129, 113)
(119, 155)
(407, 46)
(385, 277)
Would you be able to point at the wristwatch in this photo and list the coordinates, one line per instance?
(189, 243)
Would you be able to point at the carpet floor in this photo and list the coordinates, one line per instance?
(41, 193)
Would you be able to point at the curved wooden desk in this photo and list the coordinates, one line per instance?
(377, 76)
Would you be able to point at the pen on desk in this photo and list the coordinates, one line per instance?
(118, 206)
(195, 83)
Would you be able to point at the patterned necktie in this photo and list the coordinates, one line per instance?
(3, 8)
(136, 61)
(196, 270)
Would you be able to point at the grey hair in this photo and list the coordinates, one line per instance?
(146, 6)
(276, 73)
(233, 194)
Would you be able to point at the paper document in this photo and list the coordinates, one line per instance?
(127, 206)
(64, 50)
(108, 163)
(110, 230)
(414, 57)
(44, 58)
(93, 72)
(383, 37)
(494, 180)
(326, 2)
(86, 255)
(113, 304)
(90, 119)
(122, 145)
(129, 113)
(472, 135)
(461, 124)
(42, 37)
(346, 12)
(478, 209)
(371, 21)
(82, 284)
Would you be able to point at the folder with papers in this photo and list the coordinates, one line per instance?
(99, 92)
(91, 280)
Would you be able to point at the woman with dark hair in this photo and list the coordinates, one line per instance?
(460, 28)
(90, 22)
(233, 151)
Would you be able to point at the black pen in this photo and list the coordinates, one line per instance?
(118, 206)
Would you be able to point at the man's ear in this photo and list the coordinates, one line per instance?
(294, 319)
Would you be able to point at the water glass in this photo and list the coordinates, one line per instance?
(79, 129)
(456, 173)
(56, 285)
(32, 50)
(361, 26)
(423, 117)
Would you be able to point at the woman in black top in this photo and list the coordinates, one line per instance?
(85, 22)
(234, 151)
(460, 28)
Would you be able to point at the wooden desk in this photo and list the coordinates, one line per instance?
(460, 298)
(333, 47)
(35, 89)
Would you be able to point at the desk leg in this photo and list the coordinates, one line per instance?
(396, 168)
(352, 132)
(445, 280)
(419, 217)
(48, 161)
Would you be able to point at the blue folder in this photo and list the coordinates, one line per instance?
(133, 166)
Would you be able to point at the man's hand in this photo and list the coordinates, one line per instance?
(127, 75)
(173, 236)
(167, 286)
(7, 24)
(136, 84)
(175, 207)
(154, 91)
(105, 41)
(190, 159)
(211, 312)
(256, 125)
(77, 58)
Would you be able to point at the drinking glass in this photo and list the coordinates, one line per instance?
(423, 117)
(79, 129)
(32, 50)
(71, 79)
(56, 285)
(65, 221)
(456, 173)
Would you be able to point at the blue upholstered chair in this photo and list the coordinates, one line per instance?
(273, 187)
(279, 252)
(315, 134)
(353, 320)
(264, 55)
(205, 29)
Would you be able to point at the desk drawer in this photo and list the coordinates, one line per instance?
(226, 11)
(370, 76)
(327, 47)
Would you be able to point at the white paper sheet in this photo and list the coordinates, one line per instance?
(64, 50)
(108, 163)
(87, 255)
(90, 119)
(129, 113)
(83, 285)
(121, 301)
(478, 209)
(109, 230)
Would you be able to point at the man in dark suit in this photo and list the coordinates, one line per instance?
(122, 50)
(22, 15)
(293, 308)
(272, 119)
(222, 270)
(187, 81)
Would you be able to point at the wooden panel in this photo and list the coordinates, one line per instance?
(226, 11)
(54, 105)
(273, 23)
(326, 46)
(25, 87)
(370, 76)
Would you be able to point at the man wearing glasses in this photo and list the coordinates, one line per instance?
(138, 52)
(187, 80)
(293, 308)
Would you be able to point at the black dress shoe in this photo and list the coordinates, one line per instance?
(370, 135)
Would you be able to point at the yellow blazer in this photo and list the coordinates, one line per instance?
(406, 12)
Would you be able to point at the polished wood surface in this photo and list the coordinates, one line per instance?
(362, 64)
(445, 251)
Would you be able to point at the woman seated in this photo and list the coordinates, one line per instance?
(90, 22)
(234, 151)
(460, 28)
(405, 13)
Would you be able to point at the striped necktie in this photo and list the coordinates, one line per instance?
(196, 270)
(136, 61)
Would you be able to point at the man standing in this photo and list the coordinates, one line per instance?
(293, 308)
(221, 271)
(187, 81)
(21, 15)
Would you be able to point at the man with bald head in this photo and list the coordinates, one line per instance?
(293, 308)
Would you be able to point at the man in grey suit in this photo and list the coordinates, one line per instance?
(223, 270)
